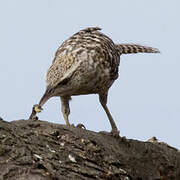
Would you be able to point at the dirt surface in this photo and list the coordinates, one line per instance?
(38, 150)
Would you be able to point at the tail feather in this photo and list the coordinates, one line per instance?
(135, 48)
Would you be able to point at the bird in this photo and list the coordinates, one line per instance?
(86, 63)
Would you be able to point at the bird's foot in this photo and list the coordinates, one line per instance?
(114, 133)
(78, 126)
(36, 109)
(81, 126)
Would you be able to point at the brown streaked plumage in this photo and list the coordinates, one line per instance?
(86, 63)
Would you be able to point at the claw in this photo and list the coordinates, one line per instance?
(115, 133)
(81, 126)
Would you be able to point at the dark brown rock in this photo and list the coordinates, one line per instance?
(36, 150)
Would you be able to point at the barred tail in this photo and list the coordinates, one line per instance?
(135, 48)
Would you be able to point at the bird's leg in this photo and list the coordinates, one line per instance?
(65, 108)
(66, 111)
(103, 101)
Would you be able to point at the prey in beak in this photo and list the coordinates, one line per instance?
(36, 109)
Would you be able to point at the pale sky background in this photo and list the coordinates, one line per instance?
(144, 101)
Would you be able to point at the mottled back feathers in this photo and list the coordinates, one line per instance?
(88, 62)
(88, 46)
